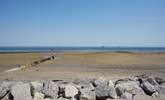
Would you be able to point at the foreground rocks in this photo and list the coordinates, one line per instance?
(21, 91)
(132, 88)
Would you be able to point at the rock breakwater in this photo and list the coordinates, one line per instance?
(132, 88)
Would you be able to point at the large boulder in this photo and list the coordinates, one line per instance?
(148, 88)
(130, 87)
(21, 91)
(36, 87)
(38, 96)
(50, 89)
(152, 80)
(87, 92)
(104, 91)
(4, 88)
(71, 91)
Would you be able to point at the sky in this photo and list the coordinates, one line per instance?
(82, 23)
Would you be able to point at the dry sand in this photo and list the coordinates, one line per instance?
(71, 65)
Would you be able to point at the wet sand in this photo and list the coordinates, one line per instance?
(71, 65)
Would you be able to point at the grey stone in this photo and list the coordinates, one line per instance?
(148, 88)
(70, 91)
(126, 96)
(130, 87)
(132, 78)
(38, 96)
(100, 81)
(61, 90)
(87, 92)
(36, 87)
(73, 99)
(50, 89)
(152, 80)
(87, 95)
(111, 84)
(119, 91)
(127, 81)
(155, 94)
(4, 88)
(104, 91)
(21, 91)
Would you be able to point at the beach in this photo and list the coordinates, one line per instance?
(71, 65)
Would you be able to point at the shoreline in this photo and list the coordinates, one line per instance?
(82, 64)
(86, 51)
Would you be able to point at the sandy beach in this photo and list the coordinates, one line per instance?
(71, 65)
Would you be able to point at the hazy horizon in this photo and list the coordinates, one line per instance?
(79, 23)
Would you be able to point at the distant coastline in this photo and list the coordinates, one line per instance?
(82, 49)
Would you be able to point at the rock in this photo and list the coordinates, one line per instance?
(159, 80)
(38, 96)
(70, 91)
(144, 76)
(21, 91)
(7, 97)
(85, 86)
(119, 91)
(110, 83)
(36, 86)
(155, 94)
(161, 89)
(130, 87)
(100, 81)
(148, 88)
(104, 91)
(87, 95)
(4, 88)
(132, 78)
(50, 89)
(126, 96)
(61, 90)
(152, 80)
(73, 99)
(87, 92)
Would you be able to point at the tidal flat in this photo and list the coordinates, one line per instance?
(71, 65)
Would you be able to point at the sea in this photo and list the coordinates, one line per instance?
(83, 49)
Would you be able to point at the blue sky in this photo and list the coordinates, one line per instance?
(82, 23)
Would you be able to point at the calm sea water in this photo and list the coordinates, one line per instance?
(88, 49)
